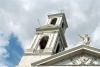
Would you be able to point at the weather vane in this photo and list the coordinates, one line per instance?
(62, 11)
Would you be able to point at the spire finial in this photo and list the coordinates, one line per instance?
(62, 11)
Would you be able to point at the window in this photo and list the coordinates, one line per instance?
(43, 42)
(54, 21)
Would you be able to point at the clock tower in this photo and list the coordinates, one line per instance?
(49, 40)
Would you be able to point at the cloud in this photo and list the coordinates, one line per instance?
(84, 19)
(20, 18)
(3, 65)
(95, 37)
(3, 53)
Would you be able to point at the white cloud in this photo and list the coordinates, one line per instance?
(20, 18)
(3, 65)
(27, 4)
(96, 33)
(96, 37)
(3, 52)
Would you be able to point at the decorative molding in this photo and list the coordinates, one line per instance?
(80, 60)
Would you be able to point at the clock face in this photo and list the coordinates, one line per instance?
(80, 59)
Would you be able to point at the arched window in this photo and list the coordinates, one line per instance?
(54, 21)
(43, 42)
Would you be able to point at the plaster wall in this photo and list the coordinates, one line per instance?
(27, 60)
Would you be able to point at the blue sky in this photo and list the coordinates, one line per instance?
(15, 51)
(18, 20)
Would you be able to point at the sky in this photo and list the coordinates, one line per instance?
(18, 20)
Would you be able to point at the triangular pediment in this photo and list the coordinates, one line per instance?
(80, 55)
(79, 59)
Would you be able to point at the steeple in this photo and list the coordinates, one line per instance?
(49, 39)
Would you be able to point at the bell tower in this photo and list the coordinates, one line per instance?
(49, 40)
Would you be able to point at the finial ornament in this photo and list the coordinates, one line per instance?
(62, 11)
(86, 39)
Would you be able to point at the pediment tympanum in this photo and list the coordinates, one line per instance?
(80, 59)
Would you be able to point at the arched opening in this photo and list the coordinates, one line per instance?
(63, 25)
(58, 47)
(43, 42)
(54, 21)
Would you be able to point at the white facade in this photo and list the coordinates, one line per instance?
(48, 48)
(49, 40)
(79, 56)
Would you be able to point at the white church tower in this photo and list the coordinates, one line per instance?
(49, 40)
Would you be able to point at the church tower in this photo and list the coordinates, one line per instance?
(49, 40)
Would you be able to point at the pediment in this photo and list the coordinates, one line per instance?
(80, 59)
(80, 55)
